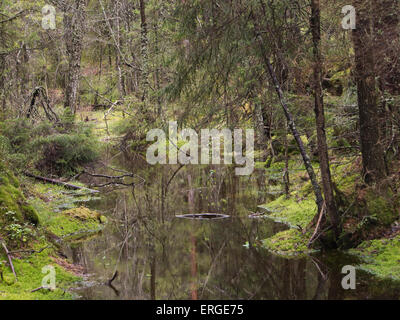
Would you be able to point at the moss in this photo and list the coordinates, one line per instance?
(29, 273)
(69, 225)
(289, 243)
(82, 213)
(295, 213)
(65, 226)
(382, 207)
(65, 223)
(381, 257)
(346, 176)
(12, 199)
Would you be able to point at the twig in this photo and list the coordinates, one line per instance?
(317, 227)
(9, 259)
(30, 251)
(16, 16)
(40, 288)
(109, 282)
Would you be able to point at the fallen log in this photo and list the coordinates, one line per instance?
(59, 183)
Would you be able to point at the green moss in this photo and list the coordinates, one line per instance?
(346, 176)
(380, 257)
(12, 199)
(29, 273)
(69, 225)
(82, 213)
(290, 243)
(65, 223)
(64, 226)
(295, 213)
(384, 208)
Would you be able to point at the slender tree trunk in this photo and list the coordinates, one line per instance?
(370, 131)
(145, 56)
(118, 58)
(290, 119)
(315, 24)
(286, 176)
(262, 139)
(74, 21)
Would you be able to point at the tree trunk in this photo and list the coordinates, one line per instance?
(145, 55)
(118, 57)
(306, 159)
(374, 169)
(74, 20)
(315, 24)
(262, 138)
(386, 44)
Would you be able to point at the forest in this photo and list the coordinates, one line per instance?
(199, 149)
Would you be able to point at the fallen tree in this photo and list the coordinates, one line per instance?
(59, 183)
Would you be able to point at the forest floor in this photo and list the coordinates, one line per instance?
(62, 220)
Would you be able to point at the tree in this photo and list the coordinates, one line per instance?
(374, 168)
(315, 24)
(74, 30)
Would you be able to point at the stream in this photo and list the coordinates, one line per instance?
(160, 256)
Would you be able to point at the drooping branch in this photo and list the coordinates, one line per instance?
(9, 258)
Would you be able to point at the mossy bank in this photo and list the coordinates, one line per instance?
(35, 221)
(367, 215)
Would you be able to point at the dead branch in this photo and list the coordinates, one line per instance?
(40, 288)
(117, 180)
(9, 259)
(318, 223)
(19, 14)
(45, 103)
(108, 177)
(109, 282)
(60, 183)
(30, 251)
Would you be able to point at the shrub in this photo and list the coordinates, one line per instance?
(64, 154)
(59, 150)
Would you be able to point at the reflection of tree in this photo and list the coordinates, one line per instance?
(157, 256)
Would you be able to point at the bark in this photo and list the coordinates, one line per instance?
(385, 15)
(315, 24)
(74, 21)
(372, 149)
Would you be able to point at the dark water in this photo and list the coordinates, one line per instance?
(159, 256)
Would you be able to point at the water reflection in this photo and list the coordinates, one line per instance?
(158, 256)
